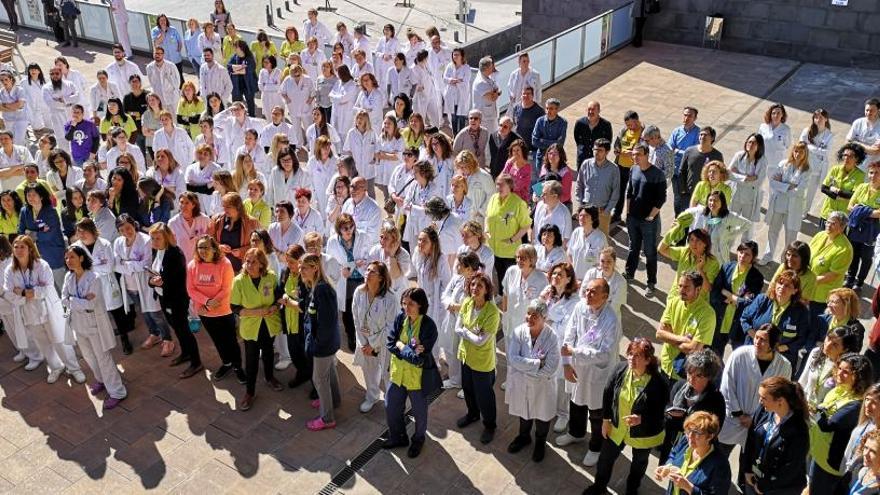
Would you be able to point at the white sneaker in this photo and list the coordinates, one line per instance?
(32, 365)
(763, 260)
(19, 357)
(447, 384)
(283, 364)
(591, 459)
(54, 375)
(460, 394)
(561, 425)
(366, 406)
(504, 385)
(78, 376)
(566, 439)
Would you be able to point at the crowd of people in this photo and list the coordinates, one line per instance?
(378, 203)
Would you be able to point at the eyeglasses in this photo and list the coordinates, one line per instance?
(695, 432)
(346, 228)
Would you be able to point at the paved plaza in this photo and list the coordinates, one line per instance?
(187, 436)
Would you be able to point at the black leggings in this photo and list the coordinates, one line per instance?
(264, 344)
(296, 344)
(222, 332)
(347, 317)
(178, 318)
(577, 424)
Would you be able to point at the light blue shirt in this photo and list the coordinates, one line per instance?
(172, 43)
(191, 42)
(680, 140)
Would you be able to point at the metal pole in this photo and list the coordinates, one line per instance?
(269, 21)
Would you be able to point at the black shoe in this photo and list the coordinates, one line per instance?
(313, 395)
(538, 453)
(848, 283)
(592, 490)
(126, 344)
(857, 287)
(465, 420)
(297, 381)
(487, 435)
(352, 345)
(190, 371)
(221, 373)
(393, 444)
(650, 291)
(275, 385)
(628, 276)
(179, 360)
(518, 443)
(415, 448)
(240, 375)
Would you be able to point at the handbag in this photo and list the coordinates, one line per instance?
(652, 6)
(390, 206)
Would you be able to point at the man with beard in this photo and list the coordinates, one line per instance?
(60, 96)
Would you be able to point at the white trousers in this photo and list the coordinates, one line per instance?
(57, 119)
(19, 131)
(562, 399)
(776, 223)
(102, 364)
(58, 356)
(376, 375)
(122, 34)
(453, 363)
(28, 348)
(281, 347)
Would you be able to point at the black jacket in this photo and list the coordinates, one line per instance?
(781, 463)
(650, 404)
(750, 289)
(711, 401)
(584, 137)
(321, 311)
(173, 274)
(424, 360)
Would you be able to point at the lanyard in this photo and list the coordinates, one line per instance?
(301, 221)
(369, 308)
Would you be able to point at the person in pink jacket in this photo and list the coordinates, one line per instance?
(209, 283)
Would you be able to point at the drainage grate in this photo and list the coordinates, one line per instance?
(365, 455)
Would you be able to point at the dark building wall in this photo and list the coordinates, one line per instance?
(805, 30)
(498, 44)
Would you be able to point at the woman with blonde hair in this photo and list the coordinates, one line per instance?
(457, 199)
(168, 173)
(244, 172)
(389, 149)
(785, 210)
(843, 310)
(322, 164)
(360, 144)
(480, 184)
(190, 108)
(713, 177)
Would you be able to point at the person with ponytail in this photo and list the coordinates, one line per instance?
(774, 459)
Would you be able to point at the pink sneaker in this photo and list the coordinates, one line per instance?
(318, 424)
(316, 404)
(111, 403)
(96, 388)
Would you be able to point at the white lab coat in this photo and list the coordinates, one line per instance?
(747, 196)
(776, 141)
(312, 136)
(362, 147)
(258, 156)
(548, 259)
(426, 98)
(271, 130)
(280, 187)
(384, 168)
(454, 293)
(519, 294)
(790, 202)
(433, 285)
(87, 318)
(197, 176)
(583, 251)
(269, 84)
(401, 283)
(373, 321)
(723, 233)
(311, 62)
(74, 174)
(415, 197)
(102, 267)
(343, 96)
(175, 180)
(360, 251)
(218, 144)
(214, 78)
(98, 96)
(136, 153)
(234, 134)
(178, 142)
(134, 261)
(560, 216)
(739, 385)
(119, 72)
(165, 82)
(284, 239)
(44, 308)
(385, 48)
(322, 176)
(299, 96)
(374, 104)
(594, 337)
(518, 81)
(311, 222)
(481, 187)
(37, 109)
(559, 313)
(397, 82)
(457, 97)
(15, 330)
(437, 62)
(367, 216)
(531, 385)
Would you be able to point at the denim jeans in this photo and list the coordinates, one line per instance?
(643, 235)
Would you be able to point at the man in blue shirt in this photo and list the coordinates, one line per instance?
(549, 129)
(682, 137)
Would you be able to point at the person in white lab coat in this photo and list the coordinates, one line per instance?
(286, 177)
(30, 288)
(748, 171)
(120, 70)
(386, 48)
(561, 297)
(164, 79)
(457, 90)
(533, 359)
(426, 98)
(363, 208)
(551, 211)
(312, 57)
(480, 184)
(120, 19)
(776, 133)
(432, 273)
(59, 96)
(313, 28)
(370, 99)
(276, 125)
(298, 92)
(746, 368)
(27, 349)
(589, 356)
(523, 77)
(343, 96)
(607, 270)
(360, 144)
(818, 137)
(350, 248)
(83, 296)
(100, 93)
(466, 265)
(521, 283)
(785, 211)
(722, 224)
(389, 153)
(269, 83)
(173, 138)
(586, 241)
(485, 93)
(374, 308)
